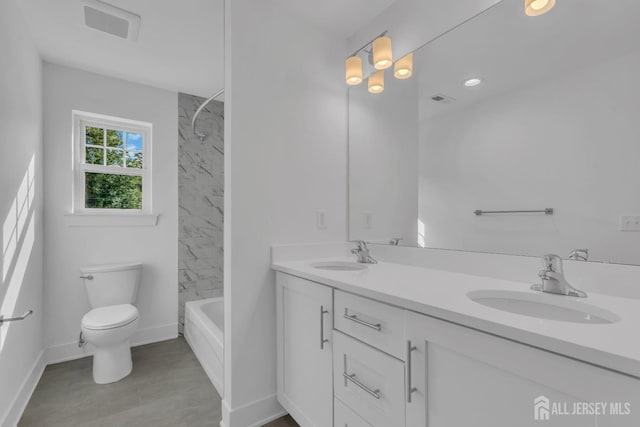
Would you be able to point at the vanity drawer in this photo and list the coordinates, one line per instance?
(377, 324)
(343, 416)
(368, 381)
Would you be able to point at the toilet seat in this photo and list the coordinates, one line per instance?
(109, 317)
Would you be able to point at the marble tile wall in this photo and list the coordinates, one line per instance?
(201, 186)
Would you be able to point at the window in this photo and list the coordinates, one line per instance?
(112, 164)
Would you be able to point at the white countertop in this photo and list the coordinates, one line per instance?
(443, 295)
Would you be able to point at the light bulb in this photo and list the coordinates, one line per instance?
(376, 82)
(538, 7)
(354, 70)
(404, 67)
(382, 55)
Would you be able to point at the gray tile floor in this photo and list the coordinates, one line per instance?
(166, 388)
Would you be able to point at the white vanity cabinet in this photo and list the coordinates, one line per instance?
(349, 361)
(463, 377)
(304, 316)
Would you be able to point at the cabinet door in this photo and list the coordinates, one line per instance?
(464, 377)
(304, 350)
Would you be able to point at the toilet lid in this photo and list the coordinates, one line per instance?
(109, 317)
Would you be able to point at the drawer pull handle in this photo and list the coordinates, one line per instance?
(354, 318)
(353, 379)
(323, 341)
(410, 388)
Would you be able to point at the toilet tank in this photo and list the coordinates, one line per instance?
(111, 284)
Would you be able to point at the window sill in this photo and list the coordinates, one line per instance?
(111, 220)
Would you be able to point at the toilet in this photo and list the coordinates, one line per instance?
(112, 291)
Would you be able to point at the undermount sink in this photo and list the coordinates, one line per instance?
(543, 306)
(339, 266)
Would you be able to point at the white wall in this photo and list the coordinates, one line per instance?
(21, 234)
(412, 23)
(383, 161)
(69, 248)
(285, 158)
(569, 142)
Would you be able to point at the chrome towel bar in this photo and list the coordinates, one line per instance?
(13, 319)
(546, 211)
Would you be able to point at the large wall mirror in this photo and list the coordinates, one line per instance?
(553, 124)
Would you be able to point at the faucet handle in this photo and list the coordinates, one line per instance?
(552, 262)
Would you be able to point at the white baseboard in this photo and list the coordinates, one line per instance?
(71, 351)
(254, 414)
(13, 414)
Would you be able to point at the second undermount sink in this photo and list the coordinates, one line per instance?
(543, 306)
(339, 266)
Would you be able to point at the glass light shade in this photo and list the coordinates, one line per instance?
(354, 70)
(404, 67)
(376, 82)
(538, 7)
(382, 56)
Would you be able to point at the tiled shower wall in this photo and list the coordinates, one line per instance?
(201, 186)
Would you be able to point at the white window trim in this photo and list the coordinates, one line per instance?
(84, 215)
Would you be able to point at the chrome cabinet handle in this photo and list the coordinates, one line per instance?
(87, 276)
(354, 318)
(13, 319)
(323, 341)
(353, 379)
(410, 388)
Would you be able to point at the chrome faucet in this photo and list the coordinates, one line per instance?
(553, 280)
(395, 241)
(579, 254)
(362, 252)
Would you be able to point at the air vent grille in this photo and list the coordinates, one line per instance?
(444, 99)
(111, 20)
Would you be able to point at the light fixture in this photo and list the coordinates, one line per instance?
(472, 82)
(354, 70)
(376, 82)
(382, 55)
(538, 7)
(403, 68)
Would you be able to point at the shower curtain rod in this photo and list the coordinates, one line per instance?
(202, 135)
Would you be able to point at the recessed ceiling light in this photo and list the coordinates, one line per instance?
(472, 82)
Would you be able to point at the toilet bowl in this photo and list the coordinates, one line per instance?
(109, 329)
(113, 319)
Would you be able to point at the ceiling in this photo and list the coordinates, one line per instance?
(180, 46)
(343, 17)
(510, 50)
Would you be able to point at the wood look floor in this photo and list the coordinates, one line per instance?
(167, 388)
(283, 422)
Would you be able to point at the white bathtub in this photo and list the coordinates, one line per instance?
(204, 331)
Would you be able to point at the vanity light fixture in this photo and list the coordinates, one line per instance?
(403, 68)
(538, 7)
(472, 82)
(376, 82)
(382, 55)
(379, 56)
(354, 70)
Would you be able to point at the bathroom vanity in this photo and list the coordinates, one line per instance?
(395, 345)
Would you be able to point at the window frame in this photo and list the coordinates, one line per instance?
(82, 120)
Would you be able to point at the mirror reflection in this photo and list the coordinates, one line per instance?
(537, 114)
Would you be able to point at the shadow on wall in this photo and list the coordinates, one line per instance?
(201, 201)
(18, 238)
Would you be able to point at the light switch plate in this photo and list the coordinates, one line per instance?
(321, 220)
(368, 220)
(630, 223)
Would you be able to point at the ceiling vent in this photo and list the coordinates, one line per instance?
(111, 20)
(444, 99)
